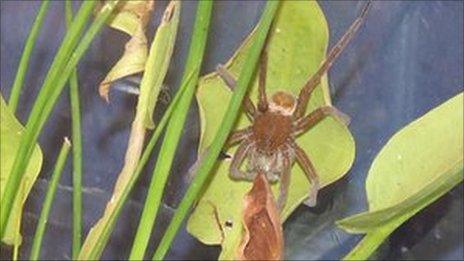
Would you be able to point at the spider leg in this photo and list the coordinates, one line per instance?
(284, 183)
(262, 99)
(239, 156)
(317, 116)
(229, 80)
(310, 171)
(311, 84)
(235, 136)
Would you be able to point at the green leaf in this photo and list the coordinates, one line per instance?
(132, 18)
(419, 164)
(10, 135)
(297, 45)
(158, 62)
(129, 15)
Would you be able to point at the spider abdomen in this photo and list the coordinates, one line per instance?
(271, 164)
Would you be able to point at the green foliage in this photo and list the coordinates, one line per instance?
(76, 137)
(63, 65)
(418, 164)
(297, 45)
(174, 131)
(10, 136)
(158, 62)
(208, 162)
(26, 55)
(47, 205)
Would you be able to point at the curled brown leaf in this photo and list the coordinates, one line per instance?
(263, 236)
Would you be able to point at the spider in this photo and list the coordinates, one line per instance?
(269, 143)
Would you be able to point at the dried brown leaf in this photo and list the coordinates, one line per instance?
(263, 236)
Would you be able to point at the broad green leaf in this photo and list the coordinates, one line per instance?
(132, 18)
(10, 135)
(297, 45)
(419, 164)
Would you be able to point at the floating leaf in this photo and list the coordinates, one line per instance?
(10, 135)
(296, 47)
(418, 164)
(263, 238)
(131, 17)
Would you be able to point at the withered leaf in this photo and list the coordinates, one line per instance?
(263, 236)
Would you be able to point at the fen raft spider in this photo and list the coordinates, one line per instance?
(269, 143)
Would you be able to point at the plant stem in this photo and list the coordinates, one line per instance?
(76, 137)
(221, 136)
(174, 131)
(26, 55)
(59, 165)
(49, 93)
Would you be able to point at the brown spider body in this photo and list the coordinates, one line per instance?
(270, 133)
(269, 144)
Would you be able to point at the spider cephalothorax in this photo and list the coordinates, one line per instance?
(272, 126)
(269, 143)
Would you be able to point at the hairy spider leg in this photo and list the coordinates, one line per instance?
(229, 80)
(239, 156)
(234, 137)
(262, 99)
(311, 84)
(237, 136)
(316, 116)
(284, 182)
(310, 171)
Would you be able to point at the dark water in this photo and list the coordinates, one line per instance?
(407, 59)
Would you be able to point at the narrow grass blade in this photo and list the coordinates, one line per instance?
(76, 138)
(59, 165)
(174, 131)
(232, 111)
(50, 91)
(26, 55)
